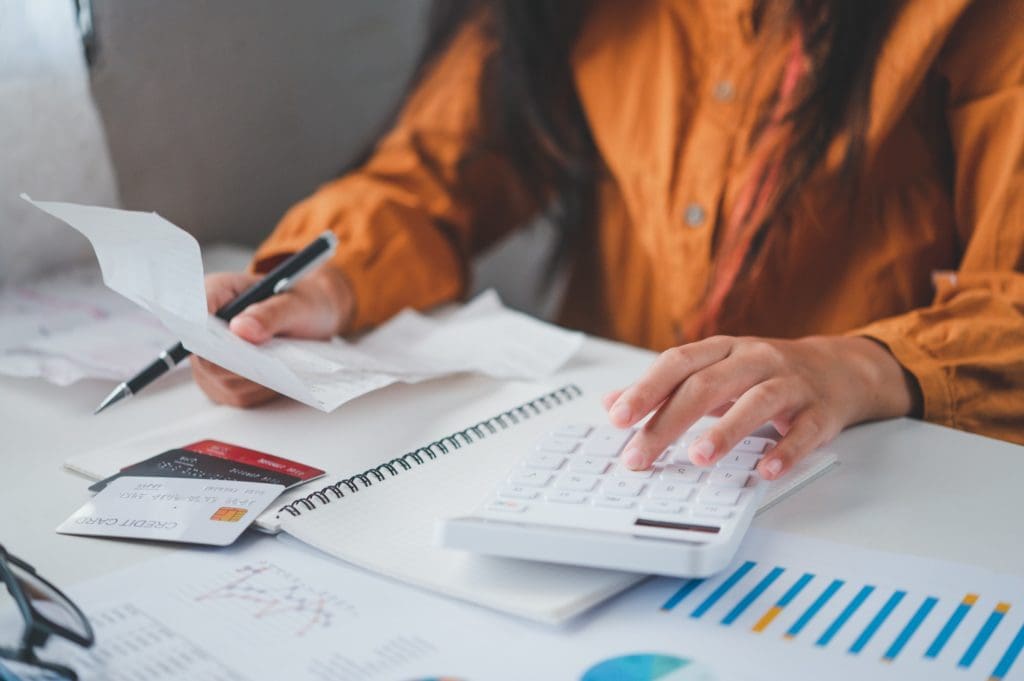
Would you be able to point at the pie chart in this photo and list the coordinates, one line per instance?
(648, 667)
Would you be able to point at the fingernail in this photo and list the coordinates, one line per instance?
(620, 412)
(701, 451)
(773, 467)
(634, 459)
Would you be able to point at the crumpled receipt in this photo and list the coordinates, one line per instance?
(158, 266)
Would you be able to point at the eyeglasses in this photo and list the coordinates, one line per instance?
(45, 612)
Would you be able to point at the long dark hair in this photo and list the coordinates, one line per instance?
(535, 119)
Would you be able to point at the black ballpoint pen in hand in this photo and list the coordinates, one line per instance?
(276, 281)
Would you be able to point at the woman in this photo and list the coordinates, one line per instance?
(814, 207)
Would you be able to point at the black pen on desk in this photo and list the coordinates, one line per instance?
(276, 281)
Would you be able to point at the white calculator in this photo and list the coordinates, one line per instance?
(571, 500)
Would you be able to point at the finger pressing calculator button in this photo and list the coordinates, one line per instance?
(681, 473)
(719, 496)
(624, 472)
(661, 506)
(606, 441)
(670, 490)
(743, 461)
(758, 445)
(566, 497)
(588, 464)
(558, 445)
(577, 430)
(613, 502)
(727, 478)
(623, 487)
(506, 506)
(530, 478)
(576, 481)
(667, 454)
(518, 492)
(711, 511)
(545, 460)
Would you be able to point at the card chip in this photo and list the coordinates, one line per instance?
(228, 514)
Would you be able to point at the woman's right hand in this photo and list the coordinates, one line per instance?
(319, 306)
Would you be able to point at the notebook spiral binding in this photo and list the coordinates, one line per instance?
(445, 445)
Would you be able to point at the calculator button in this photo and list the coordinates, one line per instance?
(613, 502)
(719, 496)
(670, 490)
(588, 464)
(577, 430)
(680, 454)
(506, 506)
(545, 460)
(517, 492)
(579, 482)
(710, 511)
(661, 506)
(744, 461)
(625, 472)
(606, 441)
(667, 454)
(758, 445)
(566, 497)
(530, 478)
(558, 445)
(681, 473)
(727, 478)
(622, 487)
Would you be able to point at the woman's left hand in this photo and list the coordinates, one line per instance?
(809, 389)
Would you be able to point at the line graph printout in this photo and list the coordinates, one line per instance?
(267, 595)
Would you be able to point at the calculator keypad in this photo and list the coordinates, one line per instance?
(578, 465)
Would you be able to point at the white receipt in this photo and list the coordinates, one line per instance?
(155, 264)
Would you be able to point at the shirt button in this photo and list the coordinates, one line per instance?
(724, 91)
(695, 215)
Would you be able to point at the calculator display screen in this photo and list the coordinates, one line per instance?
(690, 527)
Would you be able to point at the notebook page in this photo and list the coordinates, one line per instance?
(390, 530)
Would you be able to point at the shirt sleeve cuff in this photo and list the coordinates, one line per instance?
(936, 389)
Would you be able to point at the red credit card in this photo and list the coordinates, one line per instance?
(223, 450)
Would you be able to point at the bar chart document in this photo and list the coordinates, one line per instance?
(787, 608)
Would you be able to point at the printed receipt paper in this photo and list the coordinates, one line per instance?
(157, 265)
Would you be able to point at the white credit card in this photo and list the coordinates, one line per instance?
(173, 509)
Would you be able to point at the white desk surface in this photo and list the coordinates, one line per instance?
(902, 485)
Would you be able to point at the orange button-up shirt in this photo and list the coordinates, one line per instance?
(928, 260)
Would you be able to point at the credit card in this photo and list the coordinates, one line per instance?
(173, 509)
(214, 460)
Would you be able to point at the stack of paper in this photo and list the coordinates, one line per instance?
(158, 266)
(68, 327)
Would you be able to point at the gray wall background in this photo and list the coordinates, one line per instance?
(222, 113)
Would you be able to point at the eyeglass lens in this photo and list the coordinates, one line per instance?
(49, 603)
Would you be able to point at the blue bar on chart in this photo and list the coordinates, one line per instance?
(950, 627)
(846, 614)
(754, 594)
(817, 605)
(723, 588)
(1009, 657)
(983, 635)
(904, 636)
(877, 621)
(787, 597)
(685, 590)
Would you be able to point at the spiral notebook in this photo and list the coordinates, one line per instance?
(381, 514)
(383, 519)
